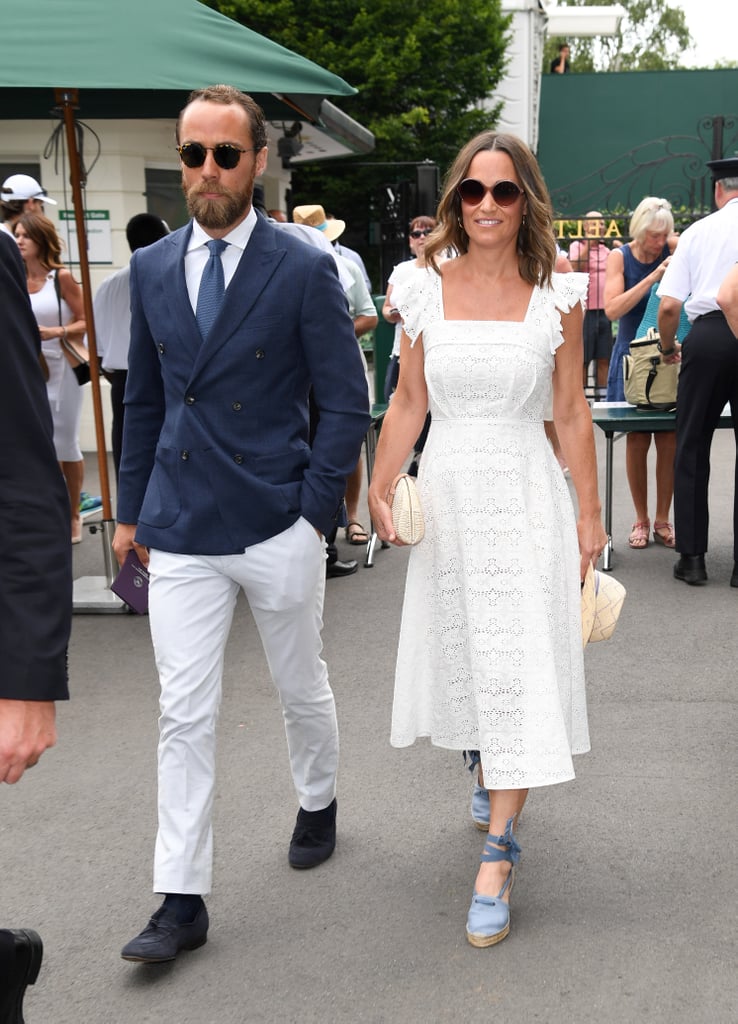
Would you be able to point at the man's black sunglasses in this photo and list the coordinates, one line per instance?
(420, 232)
(194, 154)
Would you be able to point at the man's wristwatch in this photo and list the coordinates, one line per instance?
(666, 351)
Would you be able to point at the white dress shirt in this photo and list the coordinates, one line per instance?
(198, 254)
(705, 253)
(112, 309)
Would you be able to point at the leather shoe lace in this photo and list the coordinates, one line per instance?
(163, 937)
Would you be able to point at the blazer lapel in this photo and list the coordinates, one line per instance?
(259, 260)
(176, 296)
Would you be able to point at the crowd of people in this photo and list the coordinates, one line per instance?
(240, 443)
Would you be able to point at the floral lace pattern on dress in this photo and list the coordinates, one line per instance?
(490, 654)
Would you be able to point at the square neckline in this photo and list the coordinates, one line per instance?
(476, 320)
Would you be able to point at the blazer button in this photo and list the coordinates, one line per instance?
(238, 459)
(236, 407)
(260, 353)
(185, 455)
(161, 350)
(190, 400)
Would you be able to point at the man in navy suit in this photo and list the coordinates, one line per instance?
(220, 491)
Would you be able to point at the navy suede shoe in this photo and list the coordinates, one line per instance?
(314, 837)
(163, 937)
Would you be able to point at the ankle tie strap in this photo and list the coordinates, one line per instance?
(510, 851)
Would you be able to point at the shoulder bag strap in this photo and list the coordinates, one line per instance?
(57, 289)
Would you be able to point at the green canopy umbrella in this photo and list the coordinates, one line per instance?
(139, 59)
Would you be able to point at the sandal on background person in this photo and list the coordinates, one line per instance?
(356, 534)
(639, 534)
(663, 533)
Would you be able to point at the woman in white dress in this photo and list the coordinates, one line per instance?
(420, 228)
(59, 314)
(490, 653)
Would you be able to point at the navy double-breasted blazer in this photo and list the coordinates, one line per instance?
(216, 453)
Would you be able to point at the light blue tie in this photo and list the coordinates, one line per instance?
(212, 288)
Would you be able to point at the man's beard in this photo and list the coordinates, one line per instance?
(217, 214)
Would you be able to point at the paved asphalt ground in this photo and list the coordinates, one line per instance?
(625, 904)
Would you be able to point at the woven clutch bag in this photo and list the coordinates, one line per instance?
(602, 600)
(407, 515)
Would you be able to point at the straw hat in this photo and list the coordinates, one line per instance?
(602, 599)
(314, 217)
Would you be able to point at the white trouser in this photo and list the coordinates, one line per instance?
(191, 602)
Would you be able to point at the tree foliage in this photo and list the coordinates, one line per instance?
(421, 66)
(653, 36)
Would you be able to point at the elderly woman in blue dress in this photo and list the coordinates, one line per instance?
(631, 272)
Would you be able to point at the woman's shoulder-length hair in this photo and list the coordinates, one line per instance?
(536, 245)
(43, 232)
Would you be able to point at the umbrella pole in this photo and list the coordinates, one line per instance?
(91, 593)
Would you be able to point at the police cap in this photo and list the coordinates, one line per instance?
(727, 168)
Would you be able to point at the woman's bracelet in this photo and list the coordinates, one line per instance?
(64, 334)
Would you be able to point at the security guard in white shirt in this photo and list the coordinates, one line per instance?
(112, 309)
(709, 372)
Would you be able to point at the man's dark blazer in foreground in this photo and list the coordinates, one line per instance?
(35, 553)
(216, 455)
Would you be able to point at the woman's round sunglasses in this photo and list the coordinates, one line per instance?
(504, 193)
(420, 232)
(194, 154)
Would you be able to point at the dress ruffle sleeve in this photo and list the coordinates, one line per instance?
(418, 299)
(567, 290)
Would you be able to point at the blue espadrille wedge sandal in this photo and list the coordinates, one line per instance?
(488, 921)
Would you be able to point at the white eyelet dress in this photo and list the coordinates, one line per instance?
(490, 653)
(65, 394)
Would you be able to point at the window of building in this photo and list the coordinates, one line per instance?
(164, 196)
